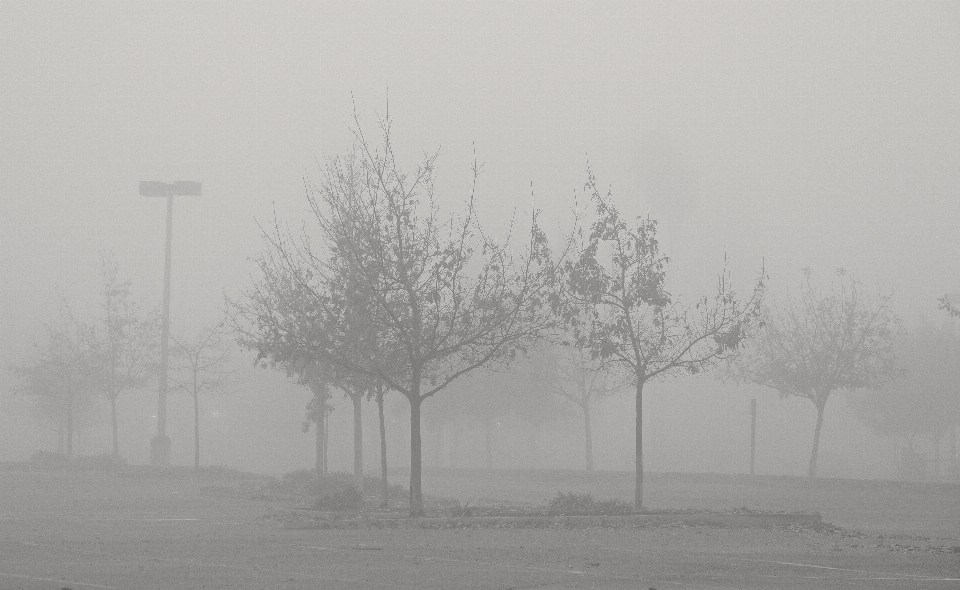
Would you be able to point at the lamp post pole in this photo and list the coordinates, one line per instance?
(160, 444)
(952, 303)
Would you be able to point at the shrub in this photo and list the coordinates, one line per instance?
(342, 497)
(571, 504)
(305, 481)
(47, 460)
(459, 510)
(298, 479)
(105, 462)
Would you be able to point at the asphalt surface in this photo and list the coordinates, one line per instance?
(83, 531)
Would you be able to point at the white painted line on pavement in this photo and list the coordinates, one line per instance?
(58, 581)
(893, 575)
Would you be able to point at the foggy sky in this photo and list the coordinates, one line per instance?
(787, 134)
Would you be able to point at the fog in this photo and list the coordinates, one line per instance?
(782, 135)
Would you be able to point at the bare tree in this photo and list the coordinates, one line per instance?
(441, 298)
(582, 380)
(131, 339)
(821, 343)
(279, 318)
(924, 398)
(951, 304)
(318, 409)
(526, 388)
(618, 308)
(484, 396)
(65, 375)
(200, 367)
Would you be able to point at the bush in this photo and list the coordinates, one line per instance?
(341, 497)
(305, 481)
(459, 510)
(46, 460)
(105, 462)
(573, 504)
(298, 479)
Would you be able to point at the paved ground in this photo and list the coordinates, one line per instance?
(877, 506)
(86, 531)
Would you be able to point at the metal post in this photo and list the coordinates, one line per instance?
(160, 445)
(753, 433)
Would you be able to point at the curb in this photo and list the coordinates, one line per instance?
(744, 520)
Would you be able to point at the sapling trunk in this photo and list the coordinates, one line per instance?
(357, 441)
(318, 423)
(488, 444)
(812, 470)
(416, 495)
(588, 437)
(196, 431)
(113, 421)
(384, 485)
(638, 494)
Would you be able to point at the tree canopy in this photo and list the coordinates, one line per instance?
(823, 342)
(395, 290)
(617, 306)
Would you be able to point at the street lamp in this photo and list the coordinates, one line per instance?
(160, 444)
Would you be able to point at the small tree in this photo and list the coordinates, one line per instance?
(923, 399)
(527, 382)
(822, 343)
(486, 397)
(130, 340)
(200, 367)
(65, 375)
(617, 307)
(439, 297)
(582, 380)
(951, 304)
(280, 319)
(318, 409)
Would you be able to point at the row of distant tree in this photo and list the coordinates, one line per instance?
(920, 401)
(83, 361)
(386, 293)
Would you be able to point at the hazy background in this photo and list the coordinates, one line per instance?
(787, 134)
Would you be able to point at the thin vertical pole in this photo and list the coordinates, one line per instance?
(954, 460)
(753, 434)
(160, 451)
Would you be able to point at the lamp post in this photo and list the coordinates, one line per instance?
(160, 444)
(951, 302)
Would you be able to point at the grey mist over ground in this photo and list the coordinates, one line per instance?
(783, 135)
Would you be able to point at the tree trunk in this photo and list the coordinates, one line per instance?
(438, 445)
(384, 485)
(936, 455)
(70, 428)
(638, 493)
(535, 461)
(488, 444)
(588, 437)
(454, 445)
(318, 423)
(357, 440)
(326, 442)
(416, 494)
(113, 421)
(954, 460)
(812, 470)
(196, 431)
